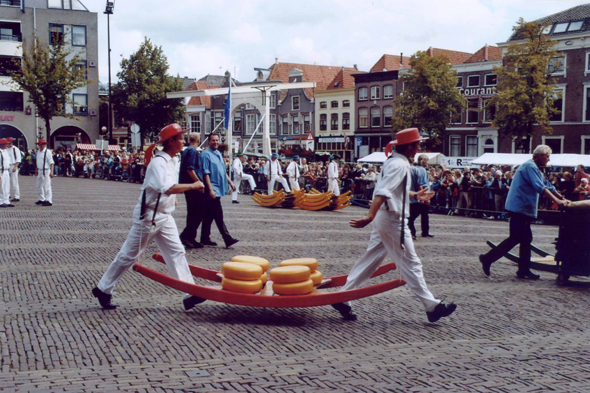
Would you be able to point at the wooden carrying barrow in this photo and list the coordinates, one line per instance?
(266, 298)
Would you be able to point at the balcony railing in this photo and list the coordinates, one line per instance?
(11, 37)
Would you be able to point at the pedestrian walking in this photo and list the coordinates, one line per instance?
(195, 199)
(16, 159)
(4, 175)
(390, 235)
(274, 173)
(152, 220)
(333, 182)
(44, 173)
(240, 175)
(419, 178)
(293, 173)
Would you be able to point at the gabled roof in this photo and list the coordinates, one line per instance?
(574, 14)
(201, 85)
(456, 57)
(321, 75)
(391, 63)
(343, 80)
(487, 53)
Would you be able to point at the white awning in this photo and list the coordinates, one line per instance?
(557, 160)
(379, 157)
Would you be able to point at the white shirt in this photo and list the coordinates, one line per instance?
(274, 167)
(4, 160)
(293, 170)
(14, 154)
(238, 168)
(389, 184)
(160, 176)
(333, 170)
(44, 161)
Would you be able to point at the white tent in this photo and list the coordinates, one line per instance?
(558, 160)
(379, 158)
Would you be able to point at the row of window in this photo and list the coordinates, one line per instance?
(475, 80)
(334, 104)
(375, 120)
(334, 122)
(375, 93)
(57, 33)
(13, 102)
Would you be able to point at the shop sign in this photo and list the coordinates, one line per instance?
(6, 117)
(458, 162)
(359, 140)
(479, 91)
(335, 139)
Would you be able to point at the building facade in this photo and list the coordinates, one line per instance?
(71, 21)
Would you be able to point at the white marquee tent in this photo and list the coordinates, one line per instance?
(379, 158)
(557, 160)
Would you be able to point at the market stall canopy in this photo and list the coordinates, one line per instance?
(379, 158)
(556, 160)
(88, 146)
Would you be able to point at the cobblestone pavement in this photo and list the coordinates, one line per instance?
(505, 336)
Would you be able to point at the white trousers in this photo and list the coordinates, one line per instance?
(4, 188)
(238, 182)
(333, 186)
(166, 236)
(14, 187)
(280, 179)
(385, 240)
(44, 186)
(294, 183)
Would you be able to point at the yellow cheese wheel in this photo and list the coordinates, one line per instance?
(241, 271)
(241, 286)
(264, 278)
(297, 288)
(316, 277)
(289, 274)
(311, 263)
(263, 263)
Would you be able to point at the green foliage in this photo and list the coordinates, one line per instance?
(525, 93)
(49, 73)
(430, 97)
(140, 94)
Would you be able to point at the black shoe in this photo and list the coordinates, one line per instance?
(104, 299)
(47, 203)
(15, 200)
(208, 243)
(440, 311)
(197, 244)
(9, 205)
(39, 202)
(413, 237)
(427, 235)
(230, 242)
(191, 302)
(3, 205)
(485, 266)
(235, 202)
(527, 276)
(189, 243)
(345, 310)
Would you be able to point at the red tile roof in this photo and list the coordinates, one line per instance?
(204, 100)
(487, 53)
(455, 56)
(321, 75)
(391, 63)
(343, 80)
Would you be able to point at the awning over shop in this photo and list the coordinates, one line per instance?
(557, 160)
(89, 146)
(379, 157)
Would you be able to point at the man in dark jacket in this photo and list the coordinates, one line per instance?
(188, 174)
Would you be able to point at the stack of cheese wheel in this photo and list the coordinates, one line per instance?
(263, 263)
(241, 277)
(311, 263)
(293, 278)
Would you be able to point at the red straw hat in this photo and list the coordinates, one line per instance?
(170, 131)
(3, 141)
(41, 142)
(10, 139)
(407, 136)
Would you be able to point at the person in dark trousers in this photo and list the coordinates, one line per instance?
(214, 174)
(522, 202)
(419, 208)
(195, 199)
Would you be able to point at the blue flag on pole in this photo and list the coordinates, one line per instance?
(227, 111)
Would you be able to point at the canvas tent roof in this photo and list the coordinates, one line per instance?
(559, 160)
(379, 157)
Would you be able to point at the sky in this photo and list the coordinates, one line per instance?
(209, 37)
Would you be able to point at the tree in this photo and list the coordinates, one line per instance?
(430, 98)
(140, 94)
(525, 93)
(49, 73)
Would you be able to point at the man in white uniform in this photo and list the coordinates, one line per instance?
(390, 236)
(293, 172)
(239, 175)
(4, 175)
(274, 173)
(152, 220)
(44, 173)
(333, 182)
(15, 157)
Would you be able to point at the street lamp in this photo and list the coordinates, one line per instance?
(109, 11)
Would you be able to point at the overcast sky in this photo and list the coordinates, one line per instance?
(208, 37)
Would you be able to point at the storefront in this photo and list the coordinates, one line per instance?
(341, 145)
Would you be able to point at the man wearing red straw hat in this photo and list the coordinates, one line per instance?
(152, 219)
(15, 161)
(4, 175)
(390, 236)
(44, 173)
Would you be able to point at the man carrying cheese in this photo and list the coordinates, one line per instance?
(390, 236)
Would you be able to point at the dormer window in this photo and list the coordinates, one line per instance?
(560, 27)
(575, 26)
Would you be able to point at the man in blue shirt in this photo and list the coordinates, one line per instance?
(214, 174)
(419, 208)
(522, 202)
(195, 199)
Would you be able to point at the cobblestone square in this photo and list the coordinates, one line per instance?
(506, 335)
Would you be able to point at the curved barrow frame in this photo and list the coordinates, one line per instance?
(544, 267)
(259, 300)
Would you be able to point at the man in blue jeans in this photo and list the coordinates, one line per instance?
(521, 204)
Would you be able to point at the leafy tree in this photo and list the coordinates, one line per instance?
(49, 73)
(140, 94)
(525, 93)
(430, 98)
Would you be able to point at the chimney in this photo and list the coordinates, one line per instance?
(276, 60)
(401, 59)
(355, 67)
(485, 53)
